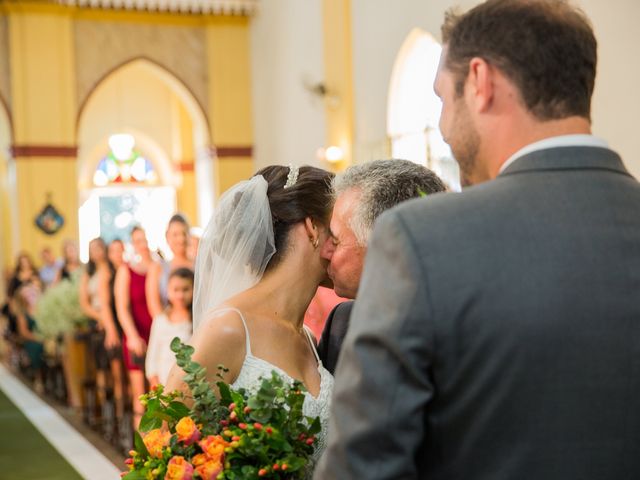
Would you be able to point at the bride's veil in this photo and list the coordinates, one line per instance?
(235, 247)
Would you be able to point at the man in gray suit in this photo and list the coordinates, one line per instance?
(362, 193)
(497, 331)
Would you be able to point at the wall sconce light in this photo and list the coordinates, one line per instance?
(331, 154)
(320, 90)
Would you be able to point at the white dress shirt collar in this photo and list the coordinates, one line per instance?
(578, 140)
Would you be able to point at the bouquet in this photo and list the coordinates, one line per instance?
(58, 311)
(236, 435)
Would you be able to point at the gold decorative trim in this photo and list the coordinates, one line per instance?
(189, 7)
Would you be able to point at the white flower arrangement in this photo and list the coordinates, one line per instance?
(58, 310)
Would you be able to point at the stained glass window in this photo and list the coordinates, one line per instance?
(123, 165)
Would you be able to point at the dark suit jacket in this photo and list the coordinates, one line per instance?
(497, 332)
(333, 334)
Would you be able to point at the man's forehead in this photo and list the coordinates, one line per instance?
(343, 210)
(347, 201)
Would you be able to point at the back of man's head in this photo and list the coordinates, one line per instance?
(383, 184)
(546, 47)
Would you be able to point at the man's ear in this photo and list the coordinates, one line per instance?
(480, 85)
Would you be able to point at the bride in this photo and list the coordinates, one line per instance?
(257, 270)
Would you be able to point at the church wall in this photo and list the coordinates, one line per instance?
(229, 68)
(43, 112)
(286, 54)
(5, 88)
(616, 100)
(6, 178)
(184, 155)
(376, 42)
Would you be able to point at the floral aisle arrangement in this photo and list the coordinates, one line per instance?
(58, 310)
(235, 435)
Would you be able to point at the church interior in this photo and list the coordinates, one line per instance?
(115, 113)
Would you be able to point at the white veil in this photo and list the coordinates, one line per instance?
(235, 247)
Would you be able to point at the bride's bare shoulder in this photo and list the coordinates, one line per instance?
(220, 339)
(222, 325)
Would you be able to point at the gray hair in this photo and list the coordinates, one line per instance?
(384, 184)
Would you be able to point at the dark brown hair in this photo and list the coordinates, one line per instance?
(91, 265)
(546, 47)
(178, 218)
(19, 257)
(137, 228)
(182, 272)
(310, 196)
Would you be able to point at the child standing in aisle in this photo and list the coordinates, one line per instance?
(174, 321)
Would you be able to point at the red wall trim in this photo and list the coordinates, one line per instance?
(235, 151)
(24, 151)
(186, 167)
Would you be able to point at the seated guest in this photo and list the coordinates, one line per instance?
(22, 306)
(49, 268)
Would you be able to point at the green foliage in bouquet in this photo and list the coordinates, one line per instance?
(58, 310)
(235, 435)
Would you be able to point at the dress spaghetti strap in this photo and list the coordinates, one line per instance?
(313, 345)
(246, 330)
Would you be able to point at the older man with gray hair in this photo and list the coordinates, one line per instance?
(362, 193)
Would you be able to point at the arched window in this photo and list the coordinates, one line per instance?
(414, 108)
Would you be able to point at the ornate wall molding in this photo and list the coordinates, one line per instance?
(194, 7)
(179, 49)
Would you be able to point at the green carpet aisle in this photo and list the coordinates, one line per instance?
(36, 443)
(24, 452)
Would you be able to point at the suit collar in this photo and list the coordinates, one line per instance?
(567, 158)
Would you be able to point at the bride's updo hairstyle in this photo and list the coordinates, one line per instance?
(310, 196)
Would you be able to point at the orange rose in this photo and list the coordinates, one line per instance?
(213, 446)
(199, 459)
(187, 431)
(155, 440)
(210, 470)
(179, 469)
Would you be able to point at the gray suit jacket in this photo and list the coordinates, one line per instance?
(497, 332)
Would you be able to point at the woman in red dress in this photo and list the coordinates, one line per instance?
(133, 315)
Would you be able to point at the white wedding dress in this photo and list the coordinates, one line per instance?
(254, 368)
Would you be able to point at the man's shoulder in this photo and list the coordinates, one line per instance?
(342, 311)
(339, 319)
(447, 204)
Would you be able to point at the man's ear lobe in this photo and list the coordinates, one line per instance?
(481, 81)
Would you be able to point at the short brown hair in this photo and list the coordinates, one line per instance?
(546, 47)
